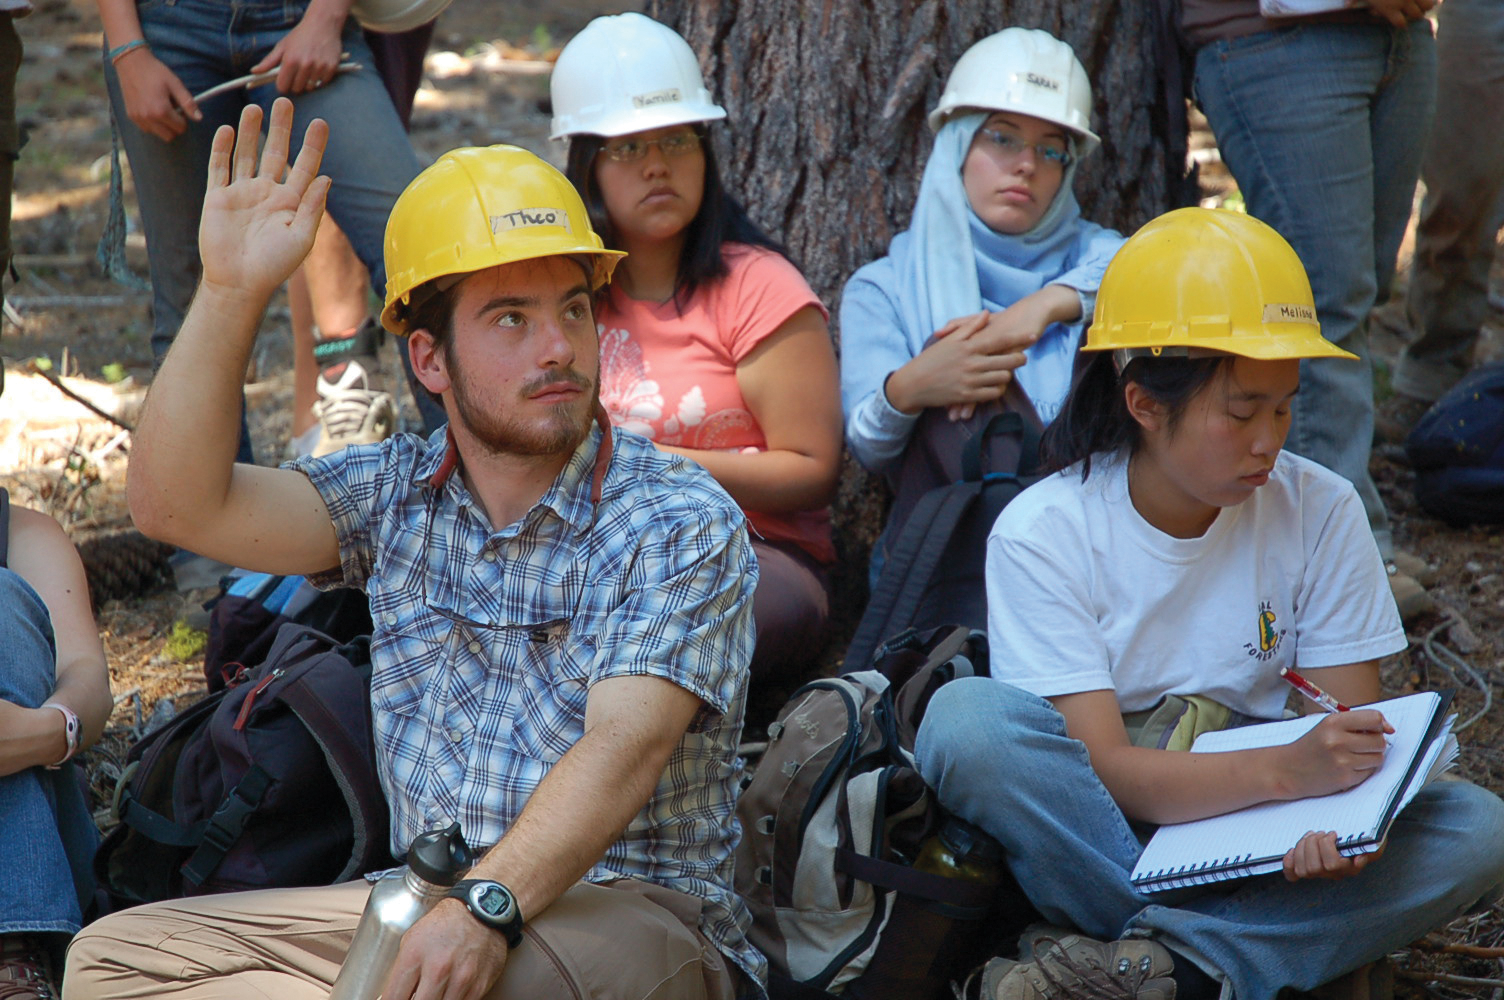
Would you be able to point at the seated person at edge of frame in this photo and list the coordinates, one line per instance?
(562, 613)
(54, 701)
(978, 305)
(1178, 553)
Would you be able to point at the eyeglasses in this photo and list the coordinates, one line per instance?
(1011, 145)
(537, 632)
(631, 149)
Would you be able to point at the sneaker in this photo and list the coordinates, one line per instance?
(1059, 965)
(351, 412)
(25, 970)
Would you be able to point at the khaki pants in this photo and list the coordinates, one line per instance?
(628, 939)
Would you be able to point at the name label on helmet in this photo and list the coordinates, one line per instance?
(525, 217)
(670, 96)
(1289, 312)
(1042, 81)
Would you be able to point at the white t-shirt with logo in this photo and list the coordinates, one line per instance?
(1083, 594)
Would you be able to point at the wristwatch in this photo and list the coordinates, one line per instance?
(493, 905)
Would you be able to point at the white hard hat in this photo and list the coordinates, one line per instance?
(627, 73)
(1024, 70)
(391, 16)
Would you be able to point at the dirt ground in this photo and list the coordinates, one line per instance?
(486, 79)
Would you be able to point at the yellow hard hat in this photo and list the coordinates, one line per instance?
(479, 207)
(1210, 279)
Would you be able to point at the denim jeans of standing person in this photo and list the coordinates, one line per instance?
(1323, 126)
(1448, 299)
(207, 42)
(47, 836)
(999, 757)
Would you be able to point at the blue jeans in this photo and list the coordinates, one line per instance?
(1323, 126)
(1464, 207)
(1000, 758)
(206, 42)
(48, 837)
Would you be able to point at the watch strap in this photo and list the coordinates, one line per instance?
(511, 929)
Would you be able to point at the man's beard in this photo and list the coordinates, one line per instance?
(567, 424)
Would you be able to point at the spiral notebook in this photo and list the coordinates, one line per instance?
(1254, 841)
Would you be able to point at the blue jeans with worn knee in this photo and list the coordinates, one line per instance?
(1000, 758)
(1323, 126)
(207, 42)
(47, 836)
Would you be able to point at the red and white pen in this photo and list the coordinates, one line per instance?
(1311, 691)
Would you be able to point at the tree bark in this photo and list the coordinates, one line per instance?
(825, 136)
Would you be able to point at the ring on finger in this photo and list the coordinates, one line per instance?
(318, 83)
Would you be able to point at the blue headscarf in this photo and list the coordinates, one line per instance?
(950, 264)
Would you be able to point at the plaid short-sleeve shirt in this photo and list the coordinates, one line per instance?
(487, 642)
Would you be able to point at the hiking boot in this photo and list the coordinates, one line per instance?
(351, 412)
(1061, 965)
(25, 970)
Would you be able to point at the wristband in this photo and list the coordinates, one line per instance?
(114, 54)
(70, 731)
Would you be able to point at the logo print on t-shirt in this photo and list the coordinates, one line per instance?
(1269, 636)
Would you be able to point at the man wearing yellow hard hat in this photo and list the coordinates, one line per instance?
(562, 615)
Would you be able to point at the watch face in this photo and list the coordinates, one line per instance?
(492, 900)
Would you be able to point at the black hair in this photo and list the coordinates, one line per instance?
(1095, 416)
(721, 218)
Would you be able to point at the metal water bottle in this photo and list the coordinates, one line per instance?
(434, 863)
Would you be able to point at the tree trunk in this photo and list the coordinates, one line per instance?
(825, 138)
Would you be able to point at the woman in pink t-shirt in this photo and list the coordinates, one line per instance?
(712, 343)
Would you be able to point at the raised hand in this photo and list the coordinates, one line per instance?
(257, 224)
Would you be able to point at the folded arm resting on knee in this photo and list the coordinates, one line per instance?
(632, 725)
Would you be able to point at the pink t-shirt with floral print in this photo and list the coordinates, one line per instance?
(670, 374)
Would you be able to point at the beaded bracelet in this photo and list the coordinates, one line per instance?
(114, 54)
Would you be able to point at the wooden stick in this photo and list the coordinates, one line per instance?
(1446, 977)
(32, 367)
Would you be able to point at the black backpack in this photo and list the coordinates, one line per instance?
(269, 782)
(1457, 450)
(833, 816)
(936, 567)
(250, 609)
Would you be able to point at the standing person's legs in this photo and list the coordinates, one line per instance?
(169, 177)
(1000, 757)
(1464, 204)
(790, 607)
(1292, 110)
(371, 160)
(626, 941)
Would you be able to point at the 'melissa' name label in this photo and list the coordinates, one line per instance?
(1289, 312)
(525, 217)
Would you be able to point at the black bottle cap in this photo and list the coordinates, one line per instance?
(440, 857)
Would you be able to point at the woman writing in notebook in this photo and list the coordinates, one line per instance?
(712, 343)
(1154, 586)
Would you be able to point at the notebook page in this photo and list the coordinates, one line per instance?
(1268, 830)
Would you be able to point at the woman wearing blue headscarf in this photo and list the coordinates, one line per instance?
(984, 296)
